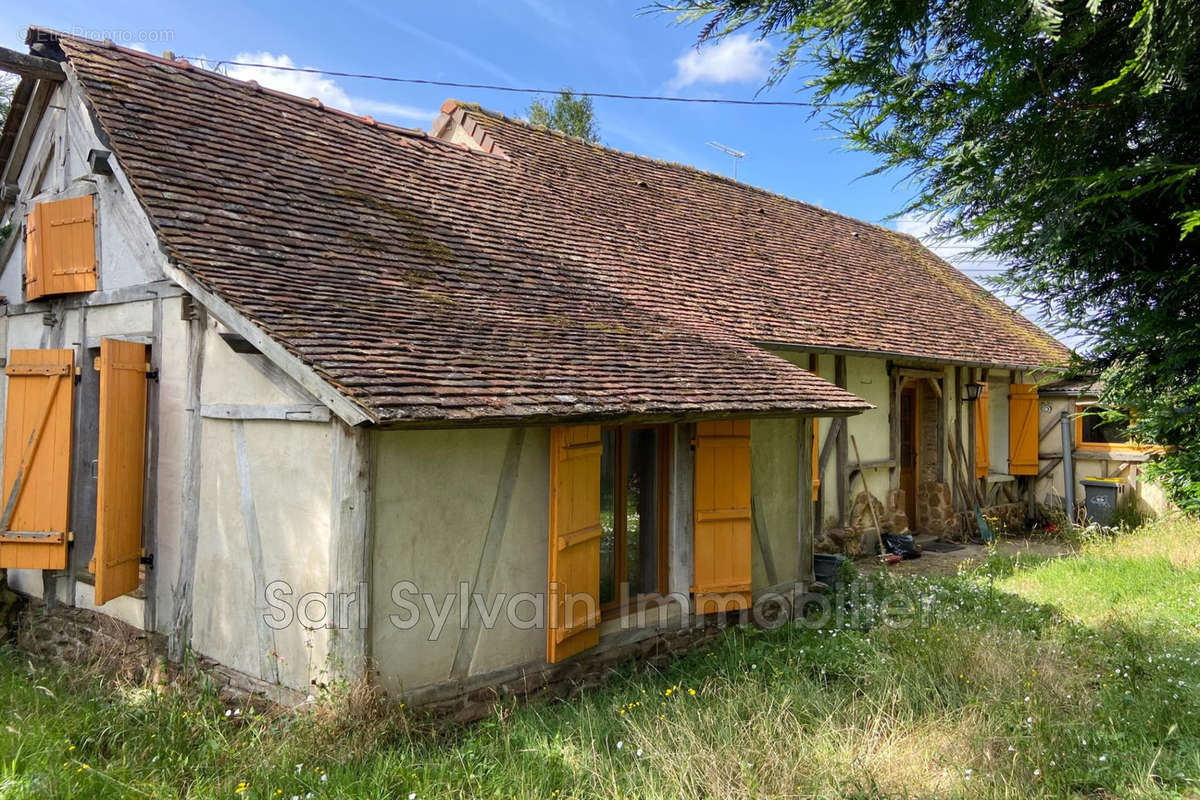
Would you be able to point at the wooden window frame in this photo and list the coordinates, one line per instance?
(614, 608)
(1127, 446)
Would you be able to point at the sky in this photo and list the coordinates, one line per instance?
(601, 45)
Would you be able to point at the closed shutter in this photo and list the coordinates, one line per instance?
(1023, 429)
(37, 459)
(982, 435)
(816, 459)
(60, 248)
(721, 548)
(574, 563)
(121, 468)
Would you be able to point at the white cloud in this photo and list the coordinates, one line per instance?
(734, 59)
(325, 89)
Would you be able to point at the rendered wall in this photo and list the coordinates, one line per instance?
(435, 492)
(1128, 465)
(774, 448)
(287, 496)
(279, 496)
(436, 499)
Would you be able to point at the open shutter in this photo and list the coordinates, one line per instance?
(982, 436)
(69, 245)
(721, 550)
(33, 255)
(574, 564)
(121, 468)
(37, 459)
(60, 247)
(1023, 429)
(816, 459)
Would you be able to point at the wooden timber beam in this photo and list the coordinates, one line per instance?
(28, 66)
(843, 449)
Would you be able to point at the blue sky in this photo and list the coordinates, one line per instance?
(603, 45)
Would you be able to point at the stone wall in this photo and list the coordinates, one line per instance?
(113, 647)
(109, 646)
(927, 439)
(935, 509)
(466, 701)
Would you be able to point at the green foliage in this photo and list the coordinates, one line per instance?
(571, 114)
(1076, 676)
(1062, 135)
(7, 86)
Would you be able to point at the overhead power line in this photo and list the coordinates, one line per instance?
(514, 89)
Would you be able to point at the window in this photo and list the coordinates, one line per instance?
(633, 469)
(1094, 432)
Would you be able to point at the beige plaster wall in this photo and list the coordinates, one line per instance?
(434, 497)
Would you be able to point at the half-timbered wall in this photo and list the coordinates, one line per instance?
(466, 512)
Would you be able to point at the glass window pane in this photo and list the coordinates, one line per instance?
(641, 510)
(608, 538)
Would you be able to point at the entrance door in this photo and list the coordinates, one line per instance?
(908, 452)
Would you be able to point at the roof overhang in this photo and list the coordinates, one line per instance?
(914, 359)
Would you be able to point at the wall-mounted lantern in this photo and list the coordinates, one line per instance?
(973, 392)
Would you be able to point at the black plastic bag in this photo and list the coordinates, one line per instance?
(901, 544)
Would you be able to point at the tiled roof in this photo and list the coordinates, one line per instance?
(745, 259)
(431, 283)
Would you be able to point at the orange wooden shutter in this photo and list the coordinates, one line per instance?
(33, 255)
(574, 568)
(816, 459)
(1023, 429)
(982, 436)
(37, 459)
(121, 468)
(721, 548)
(61, 247)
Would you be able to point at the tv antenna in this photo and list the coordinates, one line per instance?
(738, 155)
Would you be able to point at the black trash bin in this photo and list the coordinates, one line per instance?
(827, 568)
(1100, 497)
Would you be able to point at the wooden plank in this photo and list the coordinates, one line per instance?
(121, 469)
(489, 554)
(806, 528)
(896, 384)
(347, 410)
(573, 573)
(723, 520)
(680, 549)
(350, 544)
(842, 465)
(1052, 463)
(68, 240)
(150, 524)
(37, 448)
(304, 412)
(268, 661)
(30, 66)
(758, 528)
(179, 636)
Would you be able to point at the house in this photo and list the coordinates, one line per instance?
(1073, 423)
(309, 394)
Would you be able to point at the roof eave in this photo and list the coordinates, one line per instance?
(915, 358)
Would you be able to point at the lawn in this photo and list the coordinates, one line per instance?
(1077, 676)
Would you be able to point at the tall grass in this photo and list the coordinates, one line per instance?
(1078, 676)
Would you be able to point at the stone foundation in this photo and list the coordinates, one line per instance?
(477, 697)
(935, 509)
(113, 647)
(110, 646)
